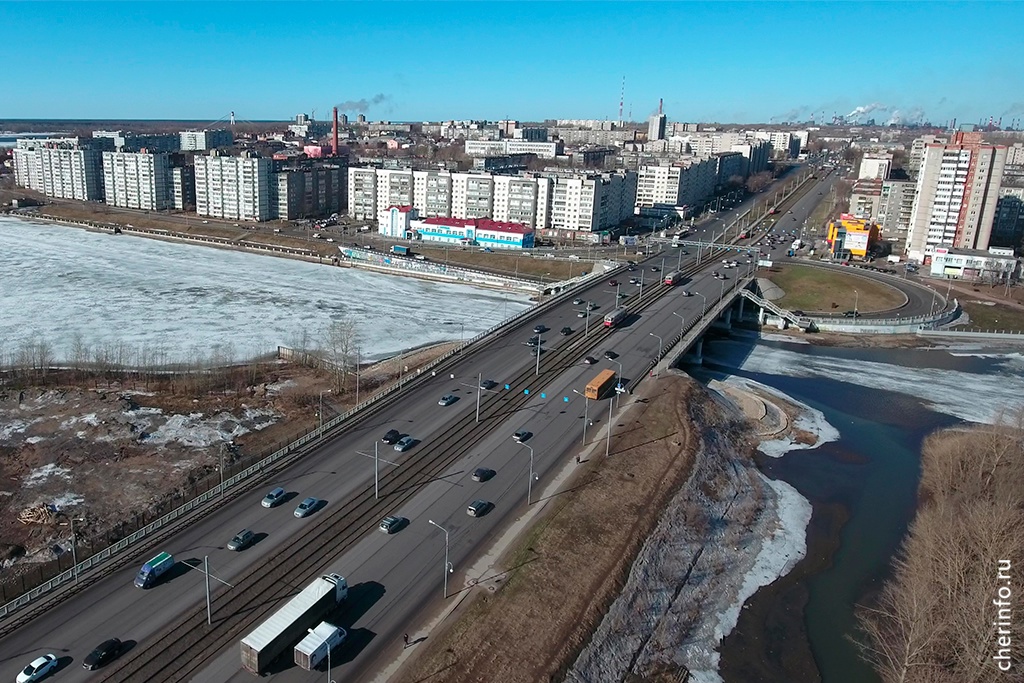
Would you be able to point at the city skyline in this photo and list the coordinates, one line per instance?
(437, 61)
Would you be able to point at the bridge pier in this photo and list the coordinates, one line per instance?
(724, 321)
(695, 356)
(740, 312)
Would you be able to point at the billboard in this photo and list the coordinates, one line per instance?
(856, 241)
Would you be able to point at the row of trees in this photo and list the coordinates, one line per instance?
(936, 621)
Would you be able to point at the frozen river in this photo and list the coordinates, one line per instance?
(61, 284)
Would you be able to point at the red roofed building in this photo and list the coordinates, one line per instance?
(397, 222)
(482, 231)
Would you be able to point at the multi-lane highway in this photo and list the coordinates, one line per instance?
(393, 577)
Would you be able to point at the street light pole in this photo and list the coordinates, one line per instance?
(529, 485)
(704, 306)
(376, 471)
(586, 417)
(74, 543)
(608, 439)
(446, 563)
(682, 322)
(479, 389)
(856, 300)
(661, 344)
(539, 342)
(357, 375)
(325, 391)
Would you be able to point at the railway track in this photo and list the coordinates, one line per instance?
(182, 648)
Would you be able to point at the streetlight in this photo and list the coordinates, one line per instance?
(586, 418)
(447, 565)
(661, 343)
(325, 391)
(856, 299)
(704, 306)
(618, 383)
(682, 322)
(529, 485)
(309, 630)
(357, 375)
(74, 543)
(401, 375)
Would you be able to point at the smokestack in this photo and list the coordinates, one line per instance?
(334, 140)
(660, 100)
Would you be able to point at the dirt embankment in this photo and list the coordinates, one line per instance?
(635, 568)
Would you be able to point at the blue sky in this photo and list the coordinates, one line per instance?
(710, 61)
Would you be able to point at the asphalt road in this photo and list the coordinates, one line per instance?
(396, 576)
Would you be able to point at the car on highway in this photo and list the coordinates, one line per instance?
(273, 498)
(655, 269)
(479, 508)
(391, 524)
(610, 355)
(589, 360)
(305, 507)
(566, 331)
(540, 329)
(447, 400)
(631, 269)
(613, 283)
(242, 540)
(38, 668)
(685, 292)
(404, 444)
(581, 314)
(391, 436)
(522, 435)
(591, 306)
(488, 384)
(577, 301)
(105, 652)
(482, 474)
(533, 341)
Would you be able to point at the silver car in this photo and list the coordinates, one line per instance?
(273, 498)
(242, 540)
(306, 507)
(404, 444)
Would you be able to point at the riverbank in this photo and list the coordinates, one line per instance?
(594, 599)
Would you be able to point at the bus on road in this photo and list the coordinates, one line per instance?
(599, 386)
(615, 317)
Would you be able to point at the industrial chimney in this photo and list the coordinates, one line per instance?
(334, 140)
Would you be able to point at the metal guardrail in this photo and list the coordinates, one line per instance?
(110, 551)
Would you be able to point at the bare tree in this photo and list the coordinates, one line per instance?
(759, 181)
(339, 344)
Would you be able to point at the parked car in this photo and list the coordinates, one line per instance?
(522, 435)
(273, 498)
(447, 400)
(391, 524)
(566, 331)
(392, 436)
(242, 540)
(404, 444)
(479, 508)
(589, 360)
(851, 314)
(105, 652)
(482, 474)
(306, 507)
(44, 665)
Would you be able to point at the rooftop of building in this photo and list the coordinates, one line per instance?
(480, 224)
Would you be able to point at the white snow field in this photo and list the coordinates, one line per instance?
(59, 283)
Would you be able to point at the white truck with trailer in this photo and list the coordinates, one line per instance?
(291, 622)
(313, 649)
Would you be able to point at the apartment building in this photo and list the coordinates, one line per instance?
(183, 187)
(61, 170)
(136, 180)
(785, 144)
(957, 191)
(875, 166)
(866, 198)
(432, 193)
(484, 148)
(685, 183)
(917, 148)
(472, 195)
(205, 139)
(394, 188)
(362, 193)
(522, 199)
(896, 207)
(1008, 229)
(591, 202)
(233, 187)
(132, 142)
(308, 192)
(656, 127)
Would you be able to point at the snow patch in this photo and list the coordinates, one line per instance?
(784, 338)
(67, 500)
(276, 387)
(35, 439)
(14, 427)
(779, 553)
(41, 474)
(195, 432)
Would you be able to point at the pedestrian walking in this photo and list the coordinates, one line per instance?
(577, 460)
(405, 639)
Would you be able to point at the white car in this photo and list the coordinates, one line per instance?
(38, 669)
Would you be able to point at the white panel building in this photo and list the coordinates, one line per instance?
(593, 202)
(233, 187)
(432, 193)
(65, 172)
(394, 188)
(205, 139)
(362, 193)
(472, 195)
(138, 181)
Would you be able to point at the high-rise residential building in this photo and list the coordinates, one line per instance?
(784, 143)
(483, 148)
(183, 187)
(308, 191)
(132, 142)
(205, 139)
(593, 202)
(686, 183)
(1008, 229)
(135, 180)
(233, 187)
(656, 127)
(896, 207)
(866, 198)
(917, 148)
(522, 199)
(60, 169)
(394, 188)
(875, 166)
(957, 191)
(531, 134)
(362, 193)
(432, 193)
(472, 195)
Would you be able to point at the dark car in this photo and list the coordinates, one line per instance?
(610, 355)
(566, 331)
(242, 540)
(798, 312)
(589, 360)
(540, 328)
(105, 652)
(488, 384)
(392, 436)
(613, 283)
(533, 341)
(655, 269)
(631, 269)
(851, 314)
(391, 524)
(522, 435)
(483, 474)
(479, 508)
